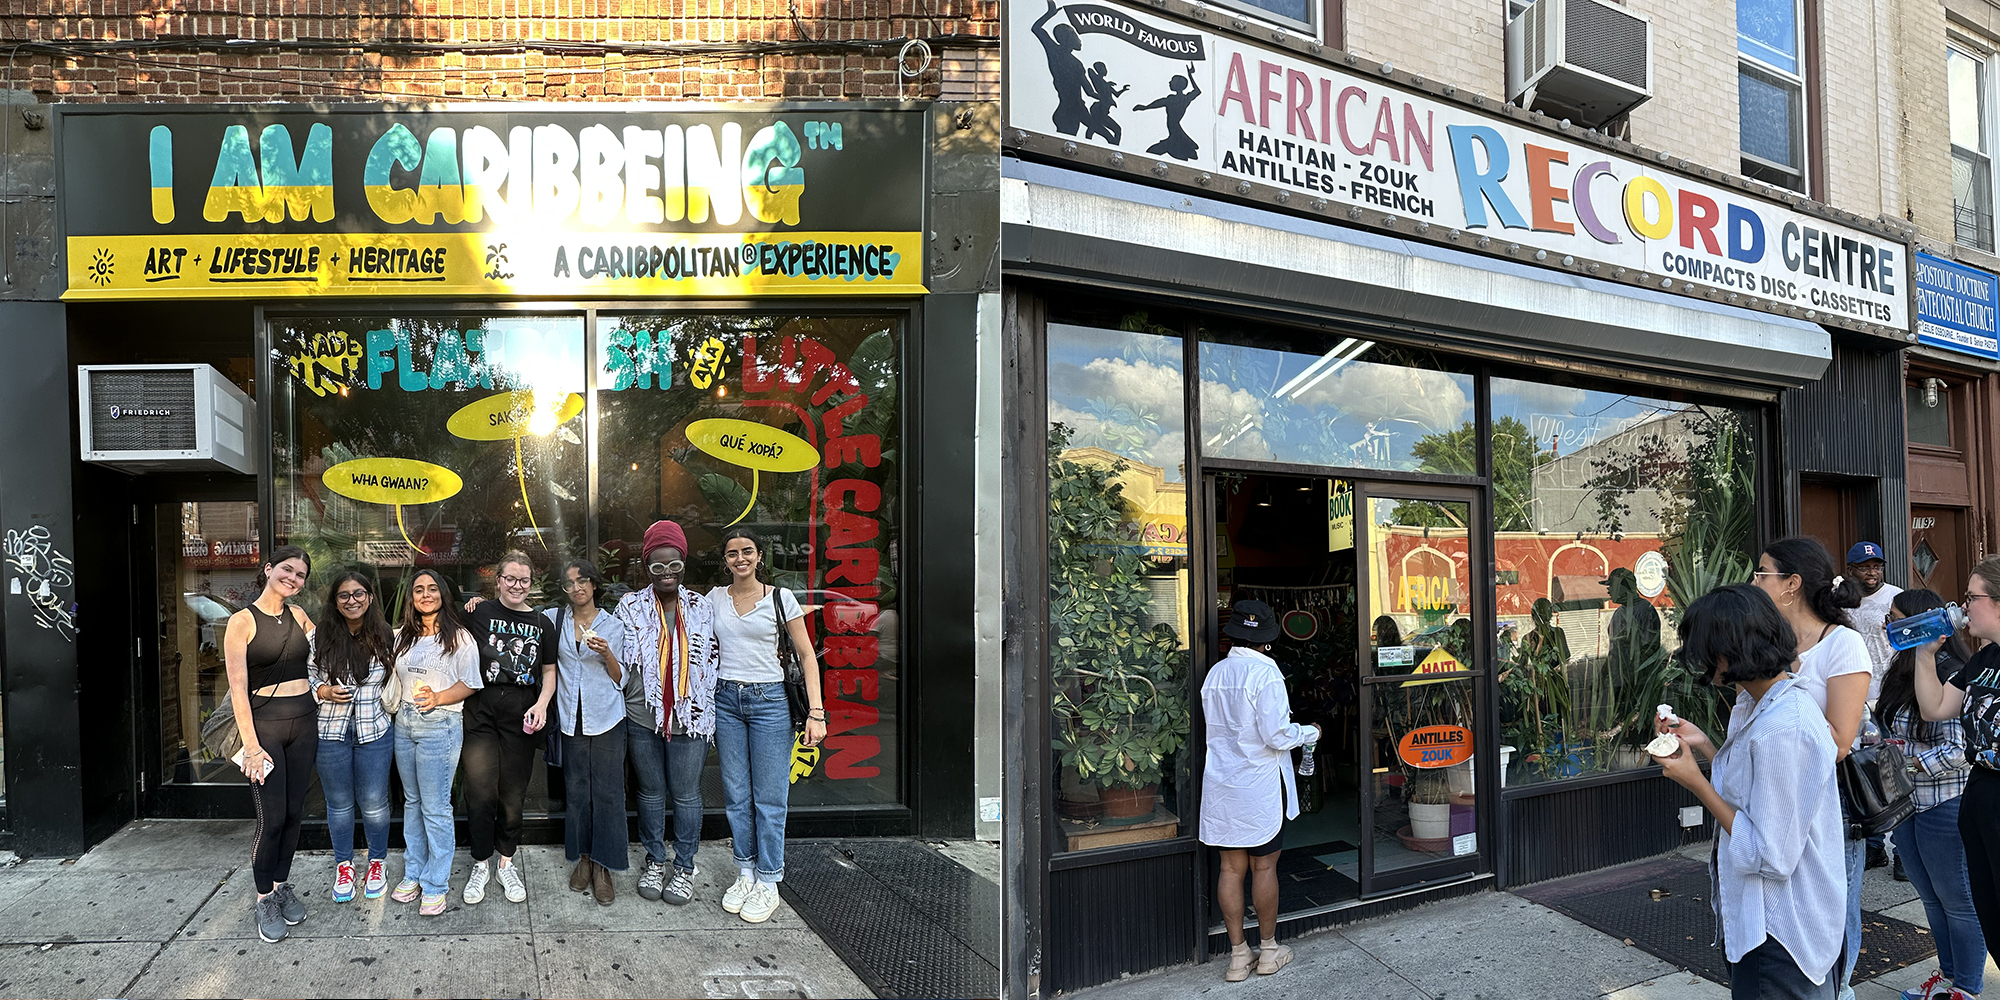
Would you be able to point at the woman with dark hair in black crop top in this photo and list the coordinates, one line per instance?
(266, 650)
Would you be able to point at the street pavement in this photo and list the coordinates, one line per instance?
(1491, 946)
(163, 909)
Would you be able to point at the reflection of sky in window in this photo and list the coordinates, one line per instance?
(538, 353)
(1568, 419)
(1328, 409)
(1120, 391)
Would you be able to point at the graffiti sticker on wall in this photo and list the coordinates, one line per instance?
(41, 573)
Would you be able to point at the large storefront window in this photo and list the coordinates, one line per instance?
(1273, 395)
(1611, 513)
(788, 425)
(1118, 577)
(444, 441)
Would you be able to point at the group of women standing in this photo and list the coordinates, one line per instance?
(658, 679)
(1785, 860)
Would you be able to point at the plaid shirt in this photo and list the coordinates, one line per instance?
(1938, 750)
(370, 722)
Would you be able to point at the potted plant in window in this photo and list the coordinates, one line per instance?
(1430, 805)
(1118, 698)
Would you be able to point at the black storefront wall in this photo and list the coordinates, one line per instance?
(1847, 430)
(38, 642)
(79, 722)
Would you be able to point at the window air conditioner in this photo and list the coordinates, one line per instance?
(163, 418)
(1585, 60)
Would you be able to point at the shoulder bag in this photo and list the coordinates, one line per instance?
(795, 672)
(1875, 790)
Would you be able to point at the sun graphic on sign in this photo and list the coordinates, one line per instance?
(100, 267)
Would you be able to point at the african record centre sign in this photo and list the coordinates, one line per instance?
(1226, 113)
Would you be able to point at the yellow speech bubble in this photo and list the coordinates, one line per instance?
(753, 445)
(511, 415)
(758, 447)
(393, 481)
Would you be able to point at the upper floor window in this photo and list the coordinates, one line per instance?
(1771, 91)
(1971, 159)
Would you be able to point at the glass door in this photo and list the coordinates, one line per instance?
(206, 563)
(1423, 631)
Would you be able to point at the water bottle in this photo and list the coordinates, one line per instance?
(1307, 763)
(1932, 625)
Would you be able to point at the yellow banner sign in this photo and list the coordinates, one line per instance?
(616, 265)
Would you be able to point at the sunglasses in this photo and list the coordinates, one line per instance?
(665, 568)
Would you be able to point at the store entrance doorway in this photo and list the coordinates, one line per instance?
(1371, 583)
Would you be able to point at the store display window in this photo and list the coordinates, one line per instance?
(407, 441)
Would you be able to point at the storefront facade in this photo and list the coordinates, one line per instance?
(437, 333)
(1476, 402)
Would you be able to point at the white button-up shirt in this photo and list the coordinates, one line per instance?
(1782, 873)
(1247, 791)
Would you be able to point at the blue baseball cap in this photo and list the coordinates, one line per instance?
(1864, 551)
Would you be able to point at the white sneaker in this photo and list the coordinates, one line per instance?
(732, 899)
(475, 886)
(761, 902)
(510, 880)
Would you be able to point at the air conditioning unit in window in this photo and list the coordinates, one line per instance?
(163, 418)
(1585, 60)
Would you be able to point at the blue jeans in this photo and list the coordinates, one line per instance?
(667, 767)
(1857, 864)
(753, 733)
(356, 775)
(1768, 972)
(427, 746)
(594, 809)
(1933, 856)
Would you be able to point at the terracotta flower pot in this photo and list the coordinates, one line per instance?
(1125, 803)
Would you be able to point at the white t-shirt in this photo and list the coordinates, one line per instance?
(1840, 653)
(426, 663)
(749, 642)
(1868, 620)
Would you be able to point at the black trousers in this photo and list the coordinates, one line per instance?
(1979, 827)
(498, 759)
(288, 730)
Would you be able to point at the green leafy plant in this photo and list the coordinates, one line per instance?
(1119, 700)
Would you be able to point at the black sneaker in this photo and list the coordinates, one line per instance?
(1896, 870)
(289, 905)
(1877, 857)
(271, 920)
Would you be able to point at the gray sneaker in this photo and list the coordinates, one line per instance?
(652, 879)
(289, 905)
(271, 920)
(681, 889)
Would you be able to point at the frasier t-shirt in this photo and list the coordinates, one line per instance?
(1980, 680)
(513, 645)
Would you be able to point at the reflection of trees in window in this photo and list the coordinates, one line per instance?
(1456, 453)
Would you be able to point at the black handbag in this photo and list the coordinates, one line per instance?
(795, 672)
(1875, 790)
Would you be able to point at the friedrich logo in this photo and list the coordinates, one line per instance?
(119, 412)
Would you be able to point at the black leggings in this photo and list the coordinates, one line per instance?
(288, 730)
(499, 760)
(1979, 827)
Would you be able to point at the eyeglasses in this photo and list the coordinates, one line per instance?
(1758, 573)
(352, 596)
(518, 581)
(1969, 598)
(573, 584)
(665, 568)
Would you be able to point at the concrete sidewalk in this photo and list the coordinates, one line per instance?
(1492, 946)
(163, 909)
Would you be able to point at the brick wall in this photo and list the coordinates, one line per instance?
(570, 50)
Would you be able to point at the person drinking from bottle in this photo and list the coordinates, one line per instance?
(1247, 789)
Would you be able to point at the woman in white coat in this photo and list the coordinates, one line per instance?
(1247, 791)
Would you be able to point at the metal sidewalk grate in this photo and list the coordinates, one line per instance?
(1679, 926)
(909, 921)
